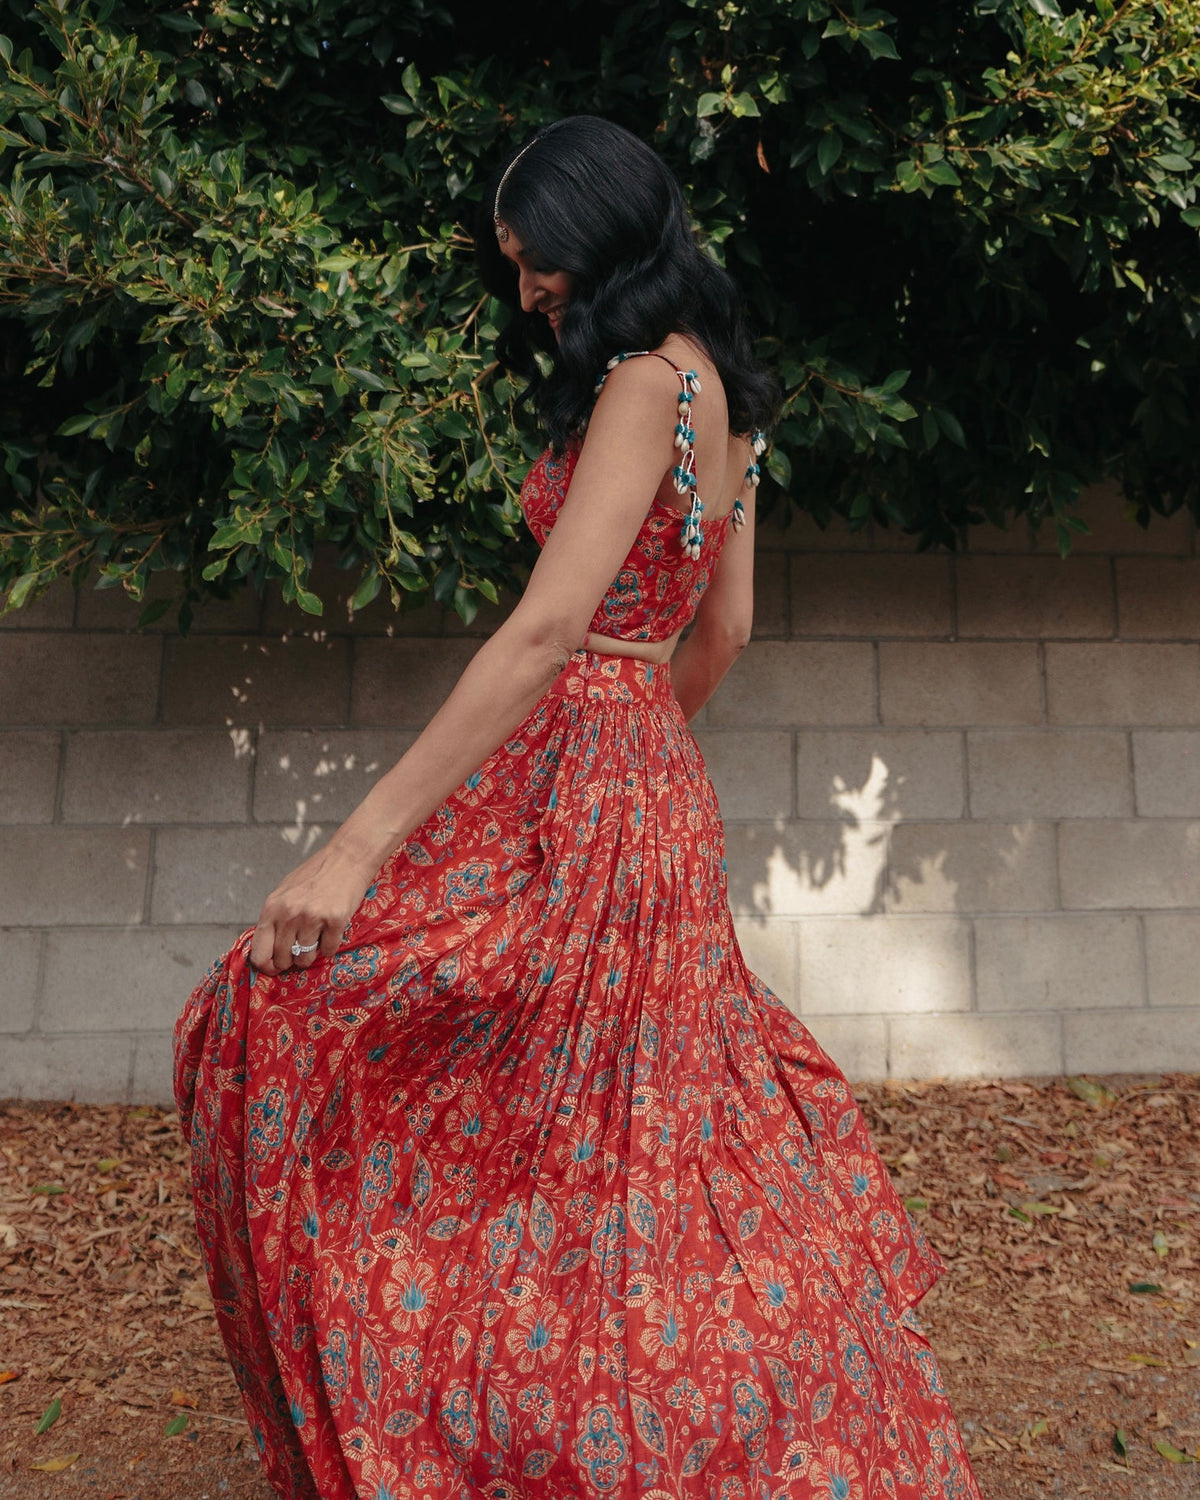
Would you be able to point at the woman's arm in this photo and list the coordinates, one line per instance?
(629, 447)
(723, 621)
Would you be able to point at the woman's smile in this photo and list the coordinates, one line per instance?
(543, 289)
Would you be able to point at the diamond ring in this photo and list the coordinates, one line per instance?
(299, 948)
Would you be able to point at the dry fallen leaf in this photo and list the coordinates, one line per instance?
(197, 1297)
(55, 1465)
(183, 1398)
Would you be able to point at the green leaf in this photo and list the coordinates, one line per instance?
(1120, 1442)
(828, 151)
(20, 591)
(49, 1417)
(943, 174)
(1145, 1288)
(176, 1425)
(74, 425)
(1089, 1092)
(1171, 1453)
(879, 44)
(709, 104)
(309, 602)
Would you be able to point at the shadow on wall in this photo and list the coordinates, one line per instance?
(857, 855)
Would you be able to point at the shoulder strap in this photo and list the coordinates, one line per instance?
(684, 473)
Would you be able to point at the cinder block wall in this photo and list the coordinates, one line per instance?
(962, 800)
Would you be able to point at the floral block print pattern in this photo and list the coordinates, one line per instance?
(534, 1190)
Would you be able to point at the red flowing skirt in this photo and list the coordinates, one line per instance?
(534, 1190)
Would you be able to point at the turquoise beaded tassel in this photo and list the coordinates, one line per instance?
(758, 441)
(691, 534)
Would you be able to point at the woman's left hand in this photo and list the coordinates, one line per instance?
(312, 906)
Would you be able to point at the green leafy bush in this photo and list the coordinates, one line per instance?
(238, 313)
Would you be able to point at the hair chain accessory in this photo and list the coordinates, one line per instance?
(501, 227)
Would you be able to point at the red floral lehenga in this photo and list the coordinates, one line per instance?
(534, 1190)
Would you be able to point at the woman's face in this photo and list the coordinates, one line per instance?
(543, 288)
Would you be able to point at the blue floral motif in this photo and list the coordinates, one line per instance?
(649, 1425)
(266, 1125)
(498, 1424)
(377, 1176)
(334, 1369)
(457, 1422)
(750, 1417)
(608, 1242)
(470, 883)
(602, 1448)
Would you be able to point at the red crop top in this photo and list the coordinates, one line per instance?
(659, 586)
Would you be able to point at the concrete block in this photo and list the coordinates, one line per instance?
(857, 1044)
(204, 875)
(959, 684)
(1057, 963)
(789, 684)
(790, 529)
(806, 869)
(55, 610)
(154, 1070)
(1047, 773)
(1034, 597)
(1158, 1040)
(305, 774)
(401, 684)
(158, 968)
(157, 776)
(91, 1069)
(768, 945)
(751, 770)
(1012, 1045)
(1123, 684)
(1166, 772)
(879, 775)
(20, 962)
(872, 596)
(1118, 865)
(770, 594)
(969, 867)
(113, 609)
(1172, 953)
(1159, 597)
(53, 876)
(64, 677)
(28, 775)
(253, 680)
(1104, 508)
(869, 965)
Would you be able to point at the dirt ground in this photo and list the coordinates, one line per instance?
(1068, 1323)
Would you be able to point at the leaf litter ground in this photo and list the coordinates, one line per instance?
(1067, 1324)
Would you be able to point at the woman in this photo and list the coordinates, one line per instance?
(511, 1179)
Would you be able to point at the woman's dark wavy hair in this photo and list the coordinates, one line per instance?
(590, 198)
